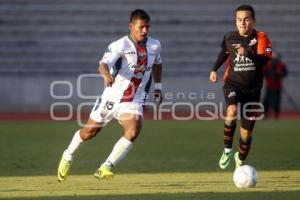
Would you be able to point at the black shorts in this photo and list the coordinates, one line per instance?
(235, 96)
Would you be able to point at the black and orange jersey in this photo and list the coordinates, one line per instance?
(246, 72)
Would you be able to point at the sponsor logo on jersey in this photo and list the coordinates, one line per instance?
(243, 63)
(140, 68)
(129, 53)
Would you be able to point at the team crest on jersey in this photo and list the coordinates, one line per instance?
(253, 42)
(142, 54)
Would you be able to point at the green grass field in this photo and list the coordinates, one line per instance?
(170, 160)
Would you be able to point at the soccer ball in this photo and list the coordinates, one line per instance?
(244, 176)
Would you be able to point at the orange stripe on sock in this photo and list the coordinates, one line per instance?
(242, 151)
(227, 129)
(245, 146)
(227, 137)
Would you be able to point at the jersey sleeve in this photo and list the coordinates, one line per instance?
(223, 44)
(264, 45)
(263, 51)
(158, 59)
(222, 57)
(112, 54)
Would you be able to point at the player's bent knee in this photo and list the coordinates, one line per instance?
(131, 135)
(229, 122)
(231, 113)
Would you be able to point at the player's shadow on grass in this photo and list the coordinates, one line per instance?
(243, 195)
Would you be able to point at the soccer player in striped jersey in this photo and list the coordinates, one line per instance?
(128, 66)
(247, 51)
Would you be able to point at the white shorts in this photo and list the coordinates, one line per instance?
(104, 111)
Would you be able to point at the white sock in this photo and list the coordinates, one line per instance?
(73, 146)
(119, 151)
(227, 150)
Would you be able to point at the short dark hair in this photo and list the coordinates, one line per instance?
(139, 14)
(246, 8)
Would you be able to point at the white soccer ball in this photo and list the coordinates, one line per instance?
(245, 176)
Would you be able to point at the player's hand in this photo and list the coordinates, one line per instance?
(213, 76)
(108, 80)
(158, 96)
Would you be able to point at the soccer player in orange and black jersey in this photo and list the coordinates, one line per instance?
(247, 51)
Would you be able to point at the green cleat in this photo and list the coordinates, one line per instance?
(63, 169)
(225, 160)
(237, 160)
(104, 172)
